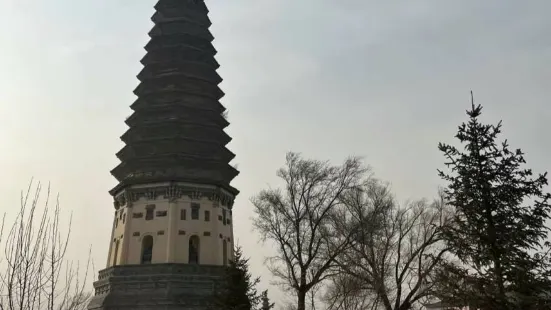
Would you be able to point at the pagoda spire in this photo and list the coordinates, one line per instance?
(176, 132)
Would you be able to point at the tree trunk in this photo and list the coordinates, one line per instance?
(405, 306)
(496, 257)
(301, 302)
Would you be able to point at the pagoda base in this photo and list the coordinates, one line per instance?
(156, 287)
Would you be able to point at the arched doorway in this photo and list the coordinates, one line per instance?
(194, 247)
(147, 250)
(225, 252)
(116, 253)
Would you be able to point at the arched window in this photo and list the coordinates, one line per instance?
(116, 253)
(224, 252)
(194, 249)
(147, 249)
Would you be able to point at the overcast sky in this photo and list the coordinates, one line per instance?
(386, 80)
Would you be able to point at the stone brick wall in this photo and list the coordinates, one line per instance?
(155, 287)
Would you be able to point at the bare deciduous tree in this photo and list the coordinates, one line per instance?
(36, 275)
(395, 251)
(346, 292)
(298, 219)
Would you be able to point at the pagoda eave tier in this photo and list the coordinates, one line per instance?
(181, 27)
(175, 163)
(171, 117)
(167, 84)
(196, 8)
(180, 14)
(180, 147)
(179, 55)
(215, 175)
(181, 41)
(185, 131)
(177, 99)
(170, 70)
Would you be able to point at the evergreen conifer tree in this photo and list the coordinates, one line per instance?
(266, 305)
(500, 227)
(238, 288)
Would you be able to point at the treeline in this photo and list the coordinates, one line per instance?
(344, 242)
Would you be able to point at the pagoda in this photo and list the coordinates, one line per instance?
(172, 230)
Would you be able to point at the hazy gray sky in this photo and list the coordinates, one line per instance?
(386, 80)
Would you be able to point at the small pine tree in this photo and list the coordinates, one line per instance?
(500, 223)
(238, 288)
(266, 305)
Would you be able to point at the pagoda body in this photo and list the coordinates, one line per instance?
(172, 230)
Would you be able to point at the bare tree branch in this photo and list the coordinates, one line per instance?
(37, 275)
(395, 250)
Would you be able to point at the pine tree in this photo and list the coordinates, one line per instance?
(238, 288)
(266, 305)
(500, 230)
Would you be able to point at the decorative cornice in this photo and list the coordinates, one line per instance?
(173, 192)
(160, 269)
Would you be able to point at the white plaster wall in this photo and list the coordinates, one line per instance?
(118, 231)
(171, 246)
